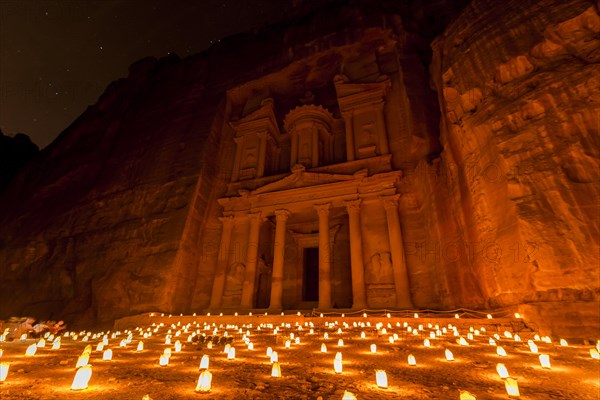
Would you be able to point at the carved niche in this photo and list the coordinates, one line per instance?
(256, 143)
(311, 139)
(361, 105)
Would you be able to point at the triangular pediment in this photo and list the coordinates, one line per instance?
(299, 178)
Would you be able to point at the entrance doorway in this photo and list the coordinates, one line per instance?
(310, 276)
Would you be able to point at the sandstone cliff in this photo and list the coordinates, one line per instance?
(496, 131)
(518, 185)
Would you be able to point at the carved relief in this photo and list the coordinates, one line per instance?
(235, 280)
(380, 269)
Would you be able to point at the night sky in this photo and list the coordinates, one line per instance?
(57, 57)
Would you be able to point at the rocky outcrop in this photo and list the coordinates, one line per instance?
(518, 94)
(15, 152)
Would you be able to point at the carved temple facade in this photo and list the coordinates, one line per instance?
(310, 217)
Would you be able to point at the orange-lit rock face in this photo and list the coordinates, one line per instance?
(519, 174)
(208, 183)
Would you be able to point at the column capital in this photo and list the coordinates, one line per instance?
(226, 219)
(254, 216)
(353, 205)
(389, 202)
(322, 209)
(282, 215)
(262, 134)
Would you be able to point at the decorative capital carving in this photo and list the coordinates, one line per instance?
(262, 134)
(282, 215)
(323, 209)
(390, 202)
(353, 205)
(254, 216)
(226, 219)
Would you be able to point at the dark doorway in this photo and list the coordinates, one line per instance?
(310, 279)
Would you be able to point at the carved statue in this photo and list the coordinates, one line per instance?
(381, 268)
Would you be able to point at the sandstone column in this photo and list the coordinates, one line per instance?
(383, 140)
(315, 147)
(251, 259)
(390, 203)
(294, 152)
(359, 299)
(222, 261)
(239, 143)
(349, 136)
(324, 256)
(262, 154)
(281, 217)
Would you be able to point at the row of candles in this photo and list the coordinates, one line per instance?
(84, 370)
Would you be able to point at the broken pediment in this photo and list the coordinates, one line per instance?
(301, 178)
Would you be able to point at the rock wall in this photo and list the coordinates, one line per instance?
(518, 178)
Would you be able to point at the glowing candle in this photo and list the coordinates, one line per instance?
(411, 360)
(107, 355)
(3, 371)
(83, 360)
(274, 357)
(82, 377)
(464, 395)
(341, 343)
(323, 348)
(204, 382)
(462, 341)
(489, 316)
(533, 347)
(231, 354)
(250, 346)
(100, 346)
(449, 355)
(226, 349)
(287, 344)
(500, 351)
(204, 362)
(512, 387)
(517, 315)
(381, 378)
(167, 352)
(545, 361)
(276, 370)
(594, 354)
(163, 360)
(31, 350)
(337, 366)
(177, 346)
(373, 348)
(56, 345)
(391, 339)
(140, 346)
(564, 343)
(41, 343)
(338, 355)
(502, 371)
(269, 351)
(348, 396)
(426, 343)
(363, 335)
(23, 337)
